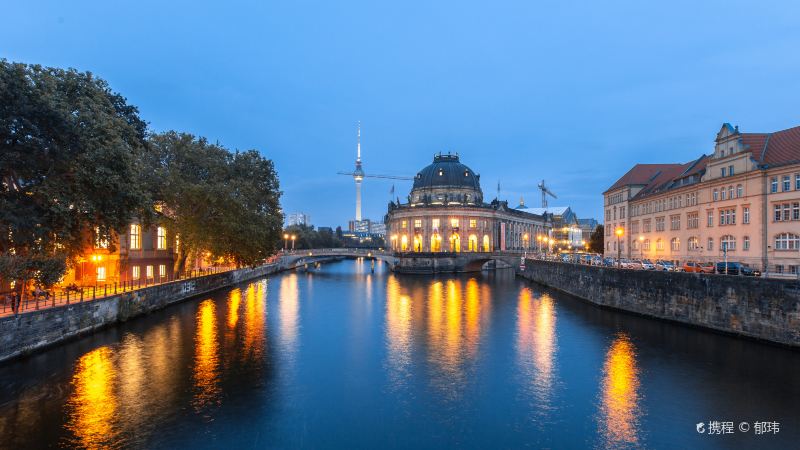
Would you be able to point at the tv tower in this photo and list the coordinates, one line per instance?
(358, 176)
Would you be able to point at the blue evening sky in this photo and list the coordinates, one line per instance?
(571, 92)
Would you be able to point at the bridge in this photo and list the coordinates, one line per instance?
(407, 262)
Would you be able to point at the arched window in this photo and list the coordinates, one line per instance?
(659, 244)
(646, 244)
(485, 242)
(730, 192)
(739, 191)
(715, 195)
(436, 242)
(787, 241)
(473, 243)
(727, 242)
(675, 244)
(694, 243)
(404, 243)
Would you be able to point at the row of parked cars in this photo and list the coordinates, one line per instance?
(729, 268)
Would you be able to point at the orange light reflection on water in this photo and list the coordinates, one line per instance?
(93, 405)
(619, 410)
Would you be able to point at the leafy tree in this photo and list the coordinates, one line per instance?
(596, 243)
(70, 152)
(219, 202)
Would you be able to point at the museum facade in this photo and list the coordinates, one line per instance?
(445, 212)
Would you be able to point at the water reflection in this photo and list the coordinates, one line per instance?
(255, 316)
(619, 409)
(454, 322)
(93, 405)
(288, 311)
(398, 331)
(206, 360)
(536, 346)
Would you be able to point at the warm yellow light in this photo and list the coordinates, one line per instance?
(539, 238)
(641, 238)
(525, 236)
(286, 236)
(619, 231)
(294, 237)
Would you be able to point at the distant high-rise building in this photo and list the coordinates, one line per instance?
(298, 218)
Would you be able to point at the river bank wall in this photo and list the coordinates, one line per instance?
(35, 330)
(764, 309)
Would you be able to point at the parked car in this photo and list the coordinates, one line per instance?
(648, 265)
(707, 267)
(692, 267)
(662, 264)
(631, 264)
(737, 268)
(609, 262)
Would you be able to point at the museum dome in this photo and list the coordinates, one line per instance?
(446, 180)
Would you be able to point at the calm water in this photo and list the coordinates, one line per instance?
(342, 358)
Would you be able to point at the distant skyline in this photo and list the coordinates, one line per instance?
(574, 94)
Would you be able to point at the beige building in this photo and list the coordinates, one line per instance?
(445, 212)
(742, 200)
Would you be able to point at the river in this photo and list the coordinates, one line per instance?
(345, 358)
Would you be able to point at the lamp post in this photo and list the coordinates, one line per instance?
(539, 243)
(641, 247)
(619, 232)
(293, 239)
(285, 239)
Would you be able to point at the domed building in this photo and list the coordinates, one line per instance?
(445, 212)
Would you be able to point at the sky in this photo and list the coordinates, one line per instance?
(574, 93)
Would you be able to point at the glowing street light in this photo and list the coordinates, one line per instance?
(619, 232)
(641, 247)
(285, 239)
(293, 239)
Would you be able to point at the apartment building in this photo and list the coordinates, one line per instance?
(741, 202)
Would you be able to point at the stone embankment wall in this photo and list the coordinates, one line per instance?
(759, 308)
(35, 330)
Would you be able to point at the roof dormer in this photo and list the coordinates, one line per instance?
(728, 141)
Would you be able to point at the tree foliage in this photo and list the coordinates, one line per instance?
(596, 243)
(70, 152)
(221, 202)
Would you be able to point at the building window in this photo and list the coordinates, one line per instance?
(710, 219)
(136, 237)
(777, 209)
(710, 244)
(786, 212)
(417, 223)
(162, 270)
(435, 224)
(716, 195)
(730, 192)
(797, 181)
(473, 223)
(646, 244)
(454, 223)
(675, 222)
(773, 185)
(745, 214)
(101, 273)
(404, 224)
(746, 243)
(787, 241)
(635, 227)
(692, 221)
(161, 243)
(99, 241)
(136, 272)
(149, 272)
(659, 244)
(727, 243)
(660, 223)
(739, 191)
(796, 211)
(675, 244)
(646, 225)
(778, 268)
(787, 183)
(694, 243)
(730, 171)
(722, 171)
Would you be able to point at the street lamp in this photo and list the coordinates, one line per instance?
(285, 238)
(619, 232)
(293, 239)
(539, 242)
(641, 247)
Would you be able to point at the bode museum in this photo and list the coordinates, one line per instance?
(446, 212)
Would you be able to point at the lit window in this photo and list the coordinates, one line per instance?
(435, 224)
(659, 244)
(136, 237)
(417, 223)
(675, 244)
(162, 270)
(694, 243)
(100, 241)
(404, 224)
(101, 274)
(454, 223)
(136, 272)
(473, 223)
(161, 244)
(149, 272)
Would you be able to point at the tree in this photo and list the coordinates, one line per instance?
(596, 243)
(219, 202)
(69, 168)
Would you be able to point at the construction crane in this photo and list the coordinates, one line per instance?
(545, 192)
(359, 175)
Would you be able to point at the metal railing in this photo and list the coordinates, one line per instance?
(33, 301)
